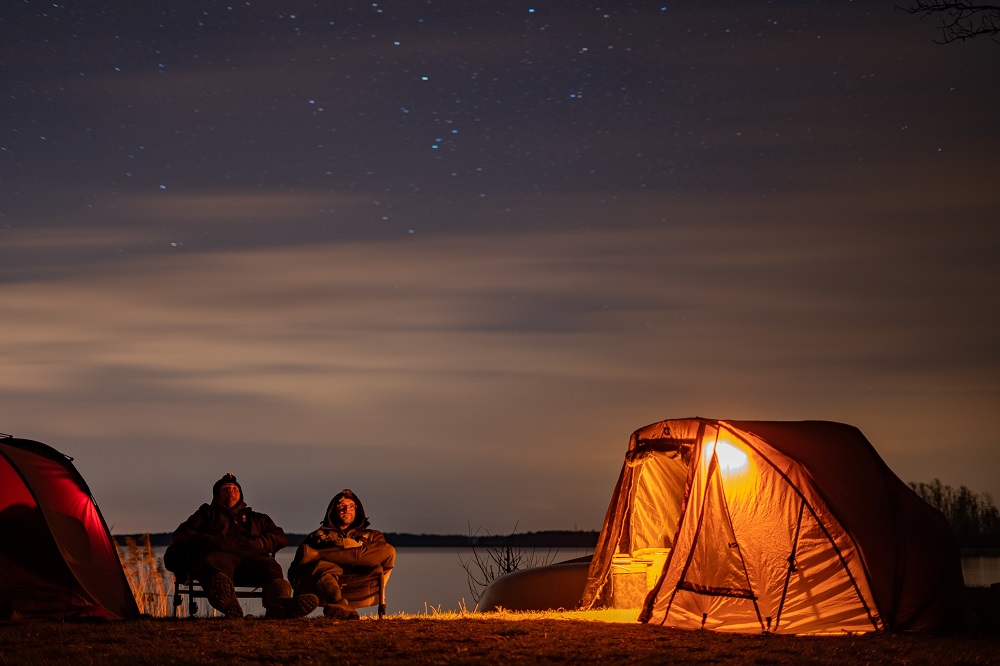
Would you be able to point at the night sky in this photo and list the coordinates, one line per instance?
(450, 254)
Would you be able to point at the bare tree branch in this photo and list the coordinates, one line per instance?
(488, 564)
(964, 20)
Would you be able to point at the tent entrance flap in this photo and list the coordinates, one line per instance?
(714, 585)
(655, 496)
(715, 563)
(655, 506)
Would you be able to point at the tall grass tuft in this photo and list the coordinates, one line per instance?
(145, 575)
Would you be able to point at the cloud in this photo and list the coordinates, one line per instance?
(450, 355)
(241, 249)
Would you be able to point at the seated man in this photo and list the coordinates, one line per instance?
(343, 544)
(227, 541)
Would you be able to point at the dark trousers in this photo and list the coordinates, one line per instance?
(255, 570)
(322, 577)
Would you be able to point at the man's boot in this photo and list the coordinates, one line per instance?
(340, 610)
(222, 596)
(281, 605)
(336, 607)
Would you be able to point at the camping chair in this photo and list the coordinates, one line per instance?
(185, 585)
(176, 559)
(365, 589)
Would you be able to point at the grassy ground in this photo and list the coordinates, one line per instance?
(480, 638)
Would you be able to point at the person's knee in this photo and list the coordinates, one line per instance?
(178, 559)
(381, 554)
(390, 558)
(272, 568)
(256, 571)
(205, 570)
(261, 566)
(217, 562)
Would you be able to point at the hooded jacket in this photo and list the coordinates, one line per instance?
(238, 530)
(329, 535)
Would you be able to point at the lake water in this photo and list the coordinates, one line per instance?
(980, 571)
(428, 580)
(424, 580)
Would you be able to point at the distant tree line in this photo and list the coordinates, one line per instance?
(544, 539)
(973, 517)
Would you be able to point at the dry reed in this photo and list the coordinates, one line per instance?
(145, 575)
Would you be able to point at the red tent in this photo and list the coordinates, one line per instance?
(791, 527)
(57, 557)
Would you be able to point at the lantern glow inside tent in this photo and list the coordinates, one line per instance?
(790, 527)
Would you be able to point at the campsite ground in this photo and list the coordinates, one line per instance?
(487, 638)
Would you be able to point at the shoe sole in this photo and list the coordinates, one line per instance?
(289, 609)
(340, 613)
(222, 596)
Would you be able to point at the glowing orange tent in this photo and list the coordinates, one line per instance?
(57, 557)
(788, 527)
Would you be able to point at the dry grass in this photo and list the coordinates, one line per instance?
(461, 638)
(145, 575)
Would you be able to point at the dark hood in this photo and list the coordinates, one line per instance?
(236, 508)
(360, 518)
(228, 478)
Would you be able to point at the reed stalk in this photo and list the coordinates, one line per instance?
(145, 575)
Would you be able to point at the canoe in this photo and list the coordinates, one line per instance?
(540, 588)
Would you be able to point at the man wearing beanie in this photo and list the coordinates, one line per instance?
(227, 541)
(343, 544)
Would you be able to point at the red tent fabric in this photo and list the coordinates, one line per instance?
(790, 527)
(57, 557)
